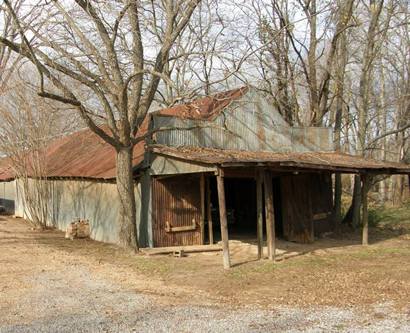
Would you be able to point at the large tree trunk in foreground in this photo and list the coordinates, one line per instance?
(125, 186)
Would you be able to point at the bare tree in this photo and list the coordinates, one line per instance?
(117, 51)
(297, 51)
(28, 124)
(8, 62)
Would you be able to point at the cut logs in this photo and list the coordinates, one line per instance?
(78, 229)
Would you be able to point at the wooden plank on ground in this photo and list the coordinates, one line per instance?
(186, 249)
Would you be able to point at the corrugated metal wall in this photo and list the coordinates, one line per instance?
(95, 201)
(176, 200)
(247, 124)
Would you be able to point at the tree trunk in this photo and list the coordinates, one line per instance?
(340, 92)
(365, 217)
(383, 126)
(352, 216)
(338, 200)
(125, 187)
(356, 201)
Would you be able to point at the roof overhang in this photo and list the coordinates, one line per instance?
(305, 161)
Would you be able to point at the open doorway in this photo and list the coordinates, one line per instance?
(240, 198)
(241, 208)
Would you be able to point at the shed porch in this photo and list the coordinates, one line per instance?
(251, 195)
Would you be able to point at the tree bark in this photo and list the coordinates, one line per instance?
(365, 218)
(338, 200)
(356, 201)
(125, 187)
(340, 92)
(352, 216)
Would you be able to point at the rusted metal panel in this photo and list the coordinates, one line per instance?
(207, 107)
(313, 138)
(6, 170)
(176, 203)
(82, 154)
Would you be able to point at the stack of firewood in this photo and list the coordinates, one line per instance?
(78, 229)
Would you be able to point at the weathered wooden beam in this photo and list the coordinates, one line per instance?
(318, 167)
(321, 216)
(365, 216)
(202, 221)
(223, 219)
(170, 228)
(186, 249)
(270, 217)
(209, 211)
(259, 210)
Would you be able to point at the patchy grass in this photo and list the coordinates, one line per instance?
(392, 217)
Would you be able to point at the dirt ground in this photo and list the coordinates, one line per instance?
(48, 283)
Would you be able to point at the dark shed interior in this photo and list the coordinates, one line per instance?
(240, 196)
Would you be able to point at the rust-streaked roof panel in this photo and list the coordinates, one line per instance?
(6, 171)
(82, 154)
(205, 108)
(312, 160)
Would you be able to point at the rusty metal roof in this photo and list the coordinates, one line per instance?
(82, 154)
(205, 108)
(85, 155)
(6, 171)
(310, 160)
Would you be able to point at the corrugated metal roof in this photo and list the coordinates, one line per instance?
(85, 155)
(313, 160)
(6, 172)
(82, 154)
(205, 108)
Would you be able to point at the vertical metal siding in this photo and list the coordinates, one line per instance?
(178, 201)
(244, 126)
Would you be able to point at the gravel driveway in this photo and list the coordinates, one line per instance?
(58, 293)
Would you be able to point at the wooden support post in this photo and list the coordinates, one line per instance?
(209, 211)
(223, 219)
(202, 222)
(365, 218)
(408, 188)
(259, 210)
(270, 217)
